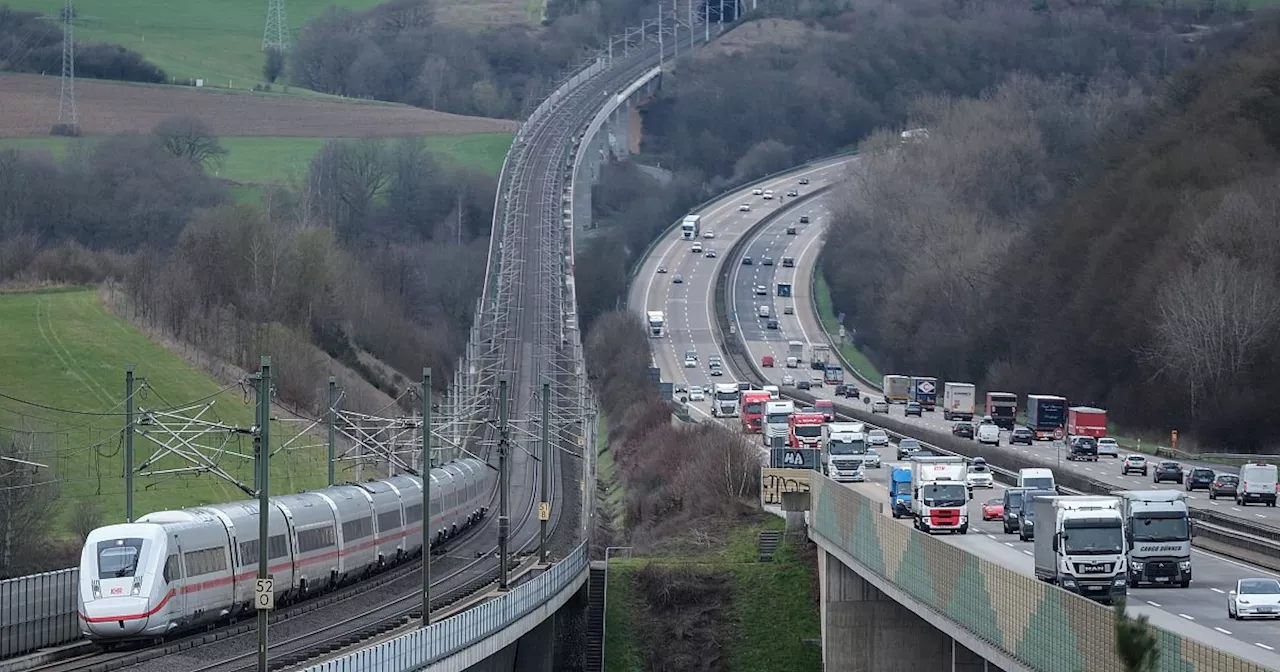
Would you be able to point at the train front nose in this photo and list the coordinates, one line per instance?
(115, 617)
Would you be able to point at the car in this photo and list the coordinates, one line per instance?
(788, 262)
(1167, 470)
(696, 248)
(690, 363)
(923, 452)
(767, 261)
(913, 408)
(1082, 449)
(880, 407)
(803, 385)
(768, 194)
(762, 312)
(715, 370)
(871, 459)
(1013, 501)
(993, 509)
(1108, 446)
(662, 269)
(745, 207)
(788, 309)
(988, 433)
(766, 362)
(877, 437)
(793, 192)
(788, 380)
(680, 387)
(1254, 598)
(1224, 485)
(962, 429)
(708, 234)
(791, 231)
(715, 360)
(817, 380)
(746, 261)
(1021, 435)
(677, 279)
(711, 254)
(847, 391)
(804, 180)
(771, 324)
(1200, 478)
(907, 448)
(761, 290)
(979, 474)
(757, 191)
(1133, 464)
(804, 219)
(696, 393)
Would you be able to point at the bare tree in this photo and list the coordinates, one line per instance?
(28, 496)
(272, 65)
(85, 518)
(433, 78)
(190, 138)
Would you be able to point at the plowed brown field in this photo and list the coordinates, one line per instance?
(29, 108)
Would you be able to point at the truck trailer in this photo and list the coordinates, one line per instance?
(957, 401)
(1046, 413)
(897, 389)
(1002, 408)
(940, 494)
(1086, 421)
(691, 226)
(1158, 530)
(1080, 545)
(924, 391)
(657, 324)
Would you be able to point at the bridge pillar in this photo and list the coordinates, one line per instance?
(864, 629)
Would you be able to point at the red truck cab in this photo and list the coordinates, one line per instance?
(752, 411)
(805, 429)
(826, 408)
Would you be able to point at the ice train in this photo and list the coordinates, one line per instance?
(176, 570)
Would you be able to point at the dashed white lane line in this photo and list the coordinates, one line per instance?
(1154, 604)
(1218, 590)
(1269, 648)
(1222, 630)
(1026, 551)
(1189, 618)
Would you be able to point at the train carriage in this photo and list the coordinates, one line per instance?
(388, 516)
(357, 545)
(241, 522)
(313, 518)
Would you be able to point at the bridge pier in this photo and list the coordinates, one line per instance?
(863, 629)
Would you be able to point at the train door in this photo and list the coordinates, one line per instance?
(174, 581)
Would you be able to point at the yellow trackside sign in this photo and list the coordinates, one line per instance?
(774, 482)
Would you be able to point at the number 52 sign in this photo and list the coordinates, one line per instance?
(264, 597)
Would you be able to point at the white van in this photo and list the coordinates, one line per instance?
(773, 392)
(989, 433)
(1257, 484)
(1036, 479)
(763, 312)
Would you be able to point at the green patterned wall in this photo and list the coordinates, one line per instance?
(1046, 628)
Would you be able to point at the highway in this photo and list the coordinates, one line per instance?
(1198, 611)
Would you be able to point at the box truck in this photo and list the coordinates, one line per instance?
(1080, 545)
(1002, 408)
(1086, 421)
(957, 401)
(940, 494)
(896, 389)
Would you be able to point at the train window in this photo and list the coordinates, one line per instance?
(413, 513)
(118, 558)
(388, 520)
(206, 561)
(248, 552)
(357, 529)
(320, 537)
(172, 569)
(279, 547)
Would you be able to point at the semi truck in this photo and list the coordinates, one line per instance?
(1086, 421)
(924, 391)
(957, 401)
(1080, 545)
(691, 226)
(819, 357)
(940, 494)
(896, 389)
(657, 324)
(900, 492)
(1046, 414)
(1002, 408)
(845, 449)
(1158, 532)
(777, 422)
(833, 375)
(726, 398)
(804, 429)
(752, 412)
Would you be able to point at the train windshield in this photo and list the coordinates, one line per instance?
(118, 558)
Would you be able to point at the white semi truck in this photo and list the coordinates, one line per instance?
(958, 401)
(725, 400)
(1158, 532)
(844, 447)
(1080, 545)
(777, 422)
(657, 324)
(940, 494)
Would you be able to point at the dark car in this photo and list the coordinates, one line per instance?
(1083, 449)
(1167, 471)
(914, 408)
(1200, 478)
(1012, 505)
(907, 448)
(804, 219)
(1021, 435)
(1224, 485)
(963, 430)
(804, 180)
(746, 261)
(767, 261)
(772, 324)
(803, 385)
(1027, 514)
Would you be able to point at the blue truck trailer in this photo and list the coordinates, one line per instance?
(900, 492)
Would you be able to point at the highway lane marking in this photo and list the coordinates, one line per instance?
(1009, 544)
(1263, 646)
(1189, 618)
(1154, 604)
(1218, 590)
(1027, 552)
(1222, 630)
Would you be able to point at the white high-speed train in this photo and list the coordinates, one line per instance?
(175, 570)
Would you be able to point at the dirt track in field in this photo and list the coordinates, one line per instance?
(29, 108)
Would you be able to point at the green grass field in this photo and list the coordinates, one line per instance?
(267, 159)
(773, 611)
(220, 42)
(63, 349)
(827, 313)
